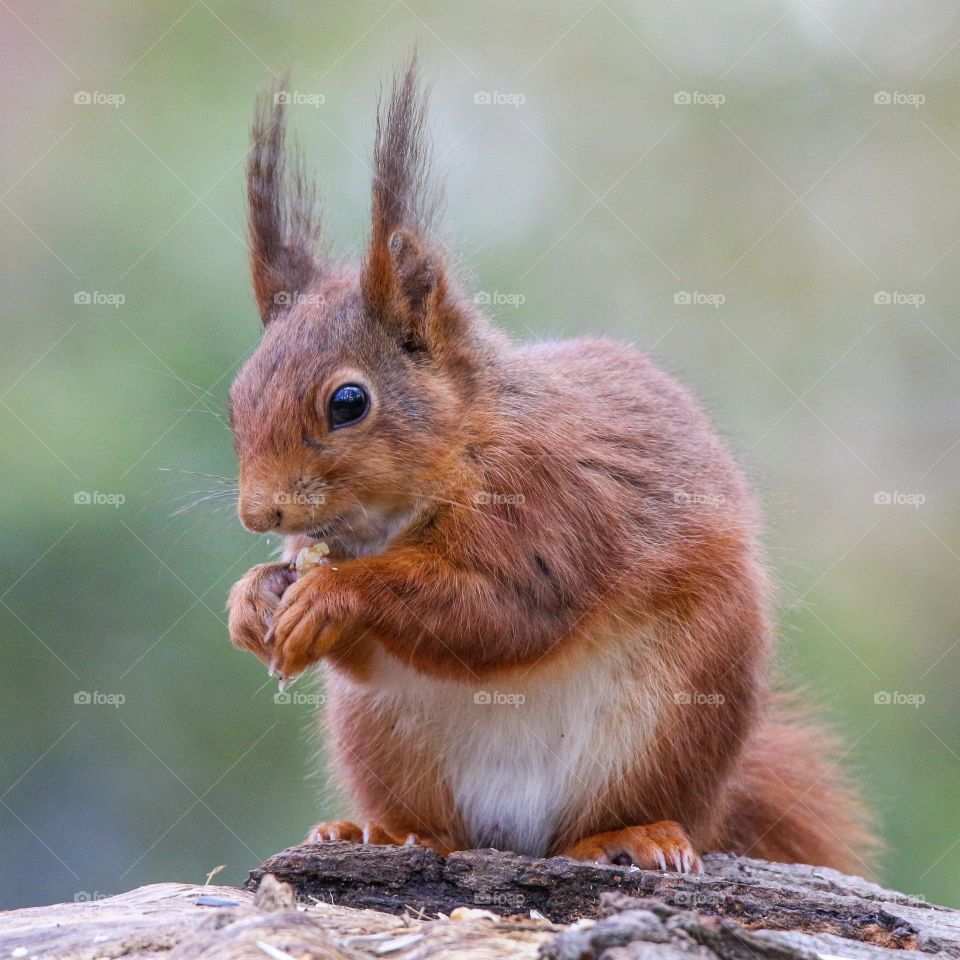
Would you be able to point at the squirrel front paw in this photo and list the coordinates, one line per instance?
(307, 623)
(657, 846)
(252, 604)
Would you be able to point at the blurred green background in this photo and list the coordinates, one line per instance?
(763, 195)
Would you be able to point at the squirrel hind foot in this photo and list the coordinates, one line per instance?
(344, 831)
(663, 845)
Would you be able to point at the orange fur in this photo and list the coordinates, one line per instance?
(557, 523)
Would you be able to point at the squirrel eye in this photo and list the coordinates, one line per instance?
(348, 405)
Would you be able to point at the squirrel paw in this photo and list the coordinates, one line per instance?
(306, 624)
(252, 603)
(332, 831)
(657, 846)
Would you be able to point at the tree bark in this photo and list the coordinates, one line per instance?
(347, 901)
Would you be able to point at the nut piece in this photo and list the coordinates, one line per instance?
(469, 913)
(309, 557)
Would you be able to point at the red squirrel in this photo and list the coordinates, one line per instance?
(545, 623)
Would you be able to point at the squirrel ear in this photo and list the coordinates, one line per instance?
(404, 281)
(404, 286)
(417, 272)
(284, 224)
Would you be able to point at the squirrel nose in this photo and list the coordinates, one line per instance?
(259, 517)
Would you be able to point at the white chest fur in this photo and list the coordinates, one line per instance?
(520, 754)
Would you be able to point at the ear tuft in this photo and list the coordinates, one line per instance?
(401, 270)
(284, 222)
(403, 192)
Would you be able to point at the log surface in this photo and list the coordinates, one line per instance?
(347, 901)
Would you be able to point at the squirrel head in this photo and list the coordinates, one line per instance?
(352, 408)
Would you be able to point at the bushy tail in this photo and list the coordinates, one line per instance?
(794, 801)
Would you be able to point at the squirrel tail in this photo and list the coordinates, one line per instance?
(793, 800)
